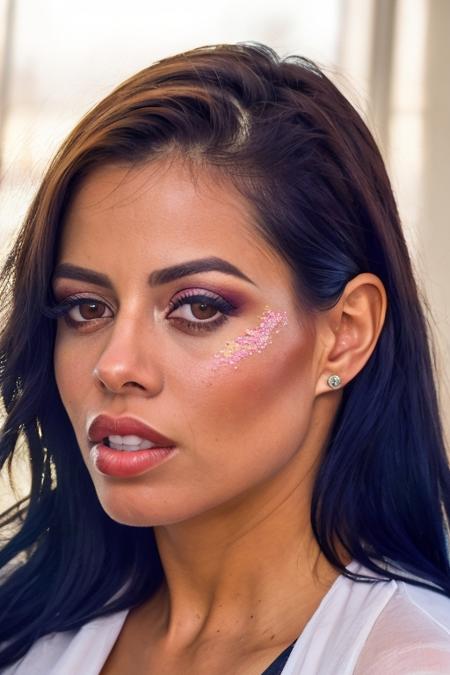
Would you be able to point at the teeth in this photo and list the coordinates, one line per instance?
(128, 440)
(130, 443)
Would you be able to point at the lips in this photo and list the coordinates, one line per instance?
(104, 425)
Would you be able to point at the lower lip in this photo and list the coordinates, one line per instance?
(126, 463)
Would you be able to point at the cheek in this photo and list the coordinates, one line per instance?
(260, 410)
(254, 341)
(61, 363)
(70, 369)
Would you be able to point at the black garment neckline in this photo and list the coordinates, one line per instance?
(277, 666)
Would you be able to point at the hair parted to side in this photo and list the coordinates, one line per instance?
(284, 135)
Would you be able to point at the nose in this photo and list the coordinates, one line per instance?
(128, 362)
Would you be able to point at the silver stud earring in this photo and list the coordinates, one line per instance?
(334, 381)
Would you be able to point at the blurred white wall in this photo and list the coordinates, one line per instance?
(434, 186)
(66, 56)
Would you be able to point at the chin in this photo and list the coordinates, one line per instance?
(148, 514)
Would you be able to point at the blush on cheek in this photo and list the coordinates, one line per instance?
(254, 341)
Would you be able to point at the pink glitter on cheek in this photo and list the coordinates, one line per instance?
(253, 341)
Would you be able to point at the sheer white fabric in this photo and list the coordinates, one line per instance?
(384, 628)
(411, 635)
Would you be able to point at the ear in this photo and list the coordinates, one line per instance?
(348, 333)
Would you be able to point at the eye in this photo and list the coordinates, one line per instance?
(200, 311)
(79, 311)
(87, 310)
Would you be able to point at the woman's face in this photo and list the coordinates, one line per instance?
(219, 361)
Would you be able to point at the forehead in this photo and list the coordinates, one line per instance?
(165, 212)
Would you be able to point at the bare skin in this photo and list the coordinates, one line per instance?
(230, 511)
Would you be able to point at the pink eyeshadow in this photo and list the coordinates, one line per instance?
(253, 341)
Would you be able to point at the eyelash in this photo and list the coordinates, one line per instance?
(61, 310)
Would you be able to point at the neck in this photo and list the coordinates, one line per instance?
(250, 567)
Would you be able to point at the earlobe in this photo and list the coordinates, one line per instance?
(355, 324)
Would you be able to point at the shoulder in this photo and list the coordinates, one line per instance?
(377, 627)
(66, 652)
(411, 634)
(41, 655)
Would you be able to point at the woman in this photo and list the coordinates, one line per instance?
(214, 347)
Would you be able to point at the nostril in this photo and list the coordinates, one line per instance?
(134, 384)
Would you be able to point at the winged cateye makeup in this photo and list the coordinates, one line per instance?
(253, 341)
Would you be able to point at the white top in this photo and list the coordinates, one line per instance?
(383, 628)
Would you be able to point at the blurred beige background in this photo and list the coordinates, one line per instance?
(390, 57)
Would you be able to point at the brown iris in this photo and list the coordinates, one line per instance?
(204, 311)
(88, 310)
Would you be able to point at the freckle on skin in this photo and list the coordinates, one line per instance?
(253, 341)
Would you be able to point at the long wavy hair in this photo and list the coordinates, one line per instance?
(281, 131)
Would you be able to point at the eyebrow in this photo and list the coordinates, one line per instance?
(157, 277)
(69, 271)
(211, 264)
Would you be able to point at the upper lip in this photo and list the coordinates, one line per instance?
(104, 425)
